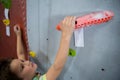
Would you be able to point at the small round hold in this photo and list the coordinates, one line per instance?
(102, 69)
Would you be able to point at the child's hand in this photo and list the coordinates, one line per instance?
(17, 30)
(67, 25)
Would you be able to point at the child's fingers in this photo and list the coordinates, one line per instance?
(73, 20)
(16, 28)
(64, 20)
(68, 20)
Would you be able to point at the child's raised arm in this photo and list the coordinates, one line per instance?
(67, 28)
(20, 47)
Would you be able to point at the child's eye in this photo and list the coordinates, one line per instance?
(22, 67)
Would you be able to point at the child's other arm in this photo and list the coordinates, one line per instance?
(20, 47)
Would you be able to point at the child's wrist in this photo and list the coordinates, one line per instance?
(66, 36)
(18, 35)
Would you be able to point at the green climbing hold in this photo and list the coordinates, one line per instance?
(6, 3)
(72, 52)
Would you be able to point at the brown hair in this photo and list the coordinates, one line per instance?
(5, 72)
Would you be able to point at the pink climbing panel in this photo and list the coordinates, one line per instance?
(91, 19)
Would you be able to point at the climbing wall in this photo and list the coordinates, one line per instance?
(99, 59)
(17, 15)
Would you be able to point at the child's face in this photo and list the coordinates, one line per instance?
(24, 69)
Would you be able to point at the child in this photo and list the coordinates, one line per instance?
(21, 69)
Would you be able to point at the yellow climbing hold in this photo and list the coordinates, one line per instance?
(32, 54)
(6, 22)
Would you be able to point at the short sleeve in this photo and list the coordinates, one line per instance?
(43, 77)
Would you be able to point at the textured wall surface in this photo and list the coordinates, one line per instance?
(98, 60)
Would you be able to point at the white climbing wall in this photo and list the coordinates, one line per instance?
(97, 60)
